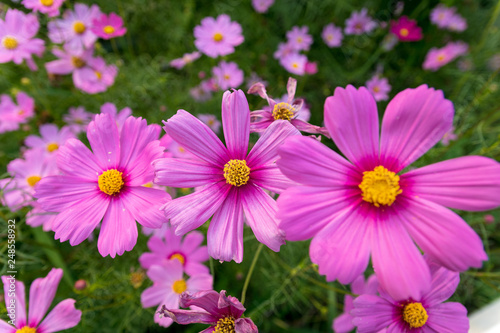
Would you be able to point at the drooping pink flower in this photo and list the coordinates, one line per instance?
(362, 208)
(16, 38)
(74, 28)
(49, 7)
(289, 110)
(332, 35)
(426, 313)
(437, 58)
(217, 37)
(299, 39)
(261, 6)
(294, 63)
(227, 75)
(223, 313)
(359, 23)
(168, 285)
(448, 136)
(78, 119)
(12, 114)
(233, 180)
(119, 117)
(108, 27)
(187, 250)
(50, 139)
(379, 87)
(42, 293)
(212, 122)
(105, 185)
(406, 29)
(187, 58)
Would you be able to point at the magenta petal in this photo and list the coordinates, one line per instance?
(260, 212)
(225, 233)
(443, 285)
(196, 137)
(270, 178)
(448, 318)
(414, 121)
(245, 325)
(352, 120)
(186, 317)
(140, 170)
(118, 230)
(144, 204)
(42, 293)
(63, 316)
(56, 193)
(468, 183)
(6, 328)
(19, 299)
(104, 140)
(343, 323)
(137, 135)
(342, 248)
(400, 268)
(177, 172)
(75, 159)
(236, 123)
(443, 235)
(372, 313)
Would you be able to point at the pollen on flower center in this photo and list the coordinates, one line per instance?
(33, 180)
(179, 286)
(283, 111)
(111, 182)
(47, 3)
(218, 37)
(380, 186)
(10, 43)
(77, 62)
(108, 29)
(26, 329)
(98, 74)
(79, 27)
(404, 32)
(52, 146)
(225, 325)
(236, 172)
(415, 315)
(177, 256)
(440, 57)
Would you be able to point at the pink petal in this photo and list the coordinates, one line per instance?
(104, 140)
(197, 138)
(42, 293)
(19, 299)
(192, 241)
(245, 325)
(144, 203)
(200, 282)
(270, 178)
(186, 317)
(140, 170)
(343, 323)
(260, 212)
(137, 136)
(443, 235)
(225, 233)
(177, 172)
(75, 159)
(236, 123)
(414, 121)
(372, 313)
(352, 120)
(63, 316)
(448, 318)
(443, 285)
(118, 230)
(467, 183)
(6, 328)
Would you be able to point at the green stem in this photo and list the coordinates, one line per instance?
(250, 271)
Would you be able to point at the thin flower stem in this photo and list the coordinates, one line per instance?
(250, 271)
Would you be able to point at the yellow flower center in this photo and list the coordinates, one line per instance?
(179, 286)
(98, 74)
(149, 185)
(77, 62)
(111, 182)
(20, 112)
(376, 89)
(10, 43)
(415, 315)
(32, 180)
(47, 3)
(79, 27)
(225, 325)
(283, 111)
(295, 65)
(404, 32)
(177, 256)
(218, 37)
(440, 57)
(108, 29)
(136, 278)
(299, 40)
(26, 329)
(380, 186)
(52, 146)
(236, 172)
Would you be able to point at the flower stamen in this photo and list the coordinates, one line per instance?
(218, 37)
(33, 180)
(415, 315)
(108, 29)
(47, 3)
(380, 186)
(111, 182)
(283, 111)
(52, 147)
(79, 27)
(225, 325)
(177, 256)
(10, 43)
(26, 329)
(179, 286)
(236, 172)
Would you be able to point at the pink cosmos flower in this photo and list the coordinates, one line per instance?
(311, 68)
(294, 63)
(489, 219)
(261, 6)
(406, 30)
(211, 121)
(78, 119)
(457, 23)
(425, 314)
(228, 75)
(173, 149)
(343, 323)
(168, 285)
(50, 140)
(70, 61)
(284, 49)
(108, 27)
(12, 195)
(12, 114)
(38, 217)
(379, 87)
(441, 15)
(96, 77)
(186, 250)
(290, 110)
(105, 185)
(74, 28)
(217, 37)
(16, 38)
(437, 58)
(363, 207)
(49, 7)
(203, 92)
(187, 58)
(332, 35)
(448, 136)
(233, 180)
(119, 117)
(223, 313)
(299, 39)
(42, 292)
(359, 23)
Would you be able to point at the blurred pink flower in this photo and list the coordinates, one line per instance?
(49, 7)
(217, 37)
(488, 218)
(359, 23)
(78, 119)
(119, 117)
(379, 87)
(108, 27)
(96, 77)
(406, 29)
(12, 114)
(447, 18)
(211, 121)
(284, 49)
(227, 75)
(261, 6)
(332, 35)
(186, 59)
(294, 63)
(311, 68)
(448, 136)
(51, 139)
(437, 58)
(299, 39)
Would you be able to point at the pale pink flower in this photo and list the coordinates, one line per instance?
(261, 6)
(211, 121)
(284, 49)
(12, 114)
(217, 37)
(108, 27)
(436, 58)
(457, 23)
(449, 136)
(359, 23)
(299, 39)
(294, 63)
(119, 117)
(50, 139)
(332, 35)
(78, 119)
(49, 7)
(96, 77)
(187, 58)
(379, 87)
(227, 75)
